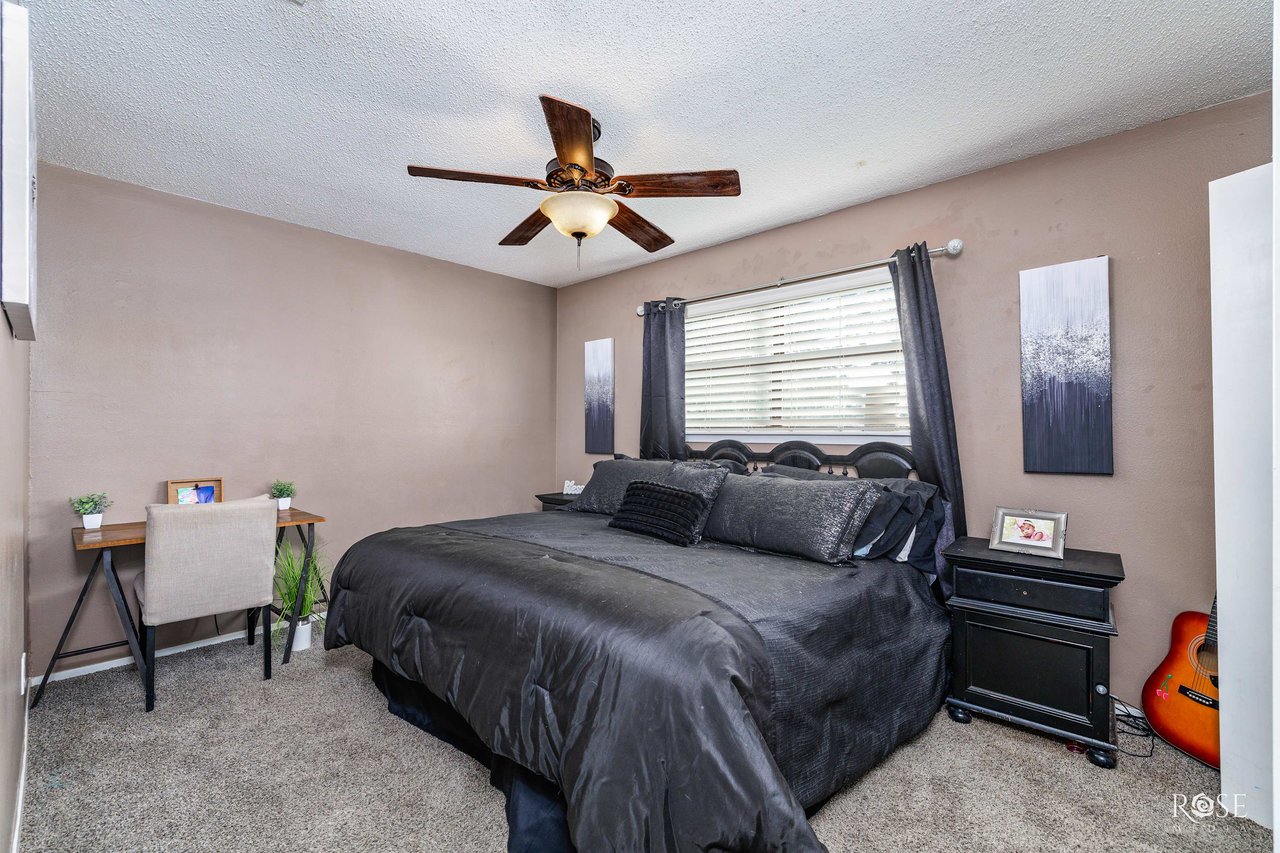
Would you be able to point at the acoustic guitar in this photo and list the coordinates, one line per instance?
(1180, 698)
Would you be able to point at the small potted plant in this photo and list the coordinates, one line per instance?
(288, 583)
(89, 508)
(283, 491)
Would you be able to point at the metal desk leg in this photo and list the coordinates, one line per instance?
(126, 618)
(66, 631)
(266, 621)
(302, 585)
(324, 595)
(103, 562)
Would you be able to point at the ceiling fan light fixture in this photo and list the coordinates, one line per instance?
(579, 213)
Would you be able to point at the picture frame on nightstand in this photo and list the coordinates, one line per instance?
(1039, 532)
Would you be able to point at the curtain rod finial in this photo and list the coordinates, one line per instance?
(954, 247)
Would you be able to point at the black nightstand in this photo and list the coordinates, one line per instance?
(555, 500)
(1031, 641)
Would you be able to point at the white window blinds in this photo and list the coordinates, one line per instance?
(824, 361)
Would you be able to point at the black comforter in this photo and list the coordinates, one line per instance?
(682, 698)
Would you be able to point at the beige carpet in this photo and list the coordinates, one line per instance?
(312, 761)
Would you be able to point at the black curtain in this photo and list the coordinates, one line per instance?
(662, 382)
(933, 421)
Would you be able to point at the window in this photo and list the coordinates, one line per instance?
(824, 362)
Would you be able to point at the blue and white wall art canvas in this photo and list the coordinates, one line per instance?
(1066, 368)
(598, 396)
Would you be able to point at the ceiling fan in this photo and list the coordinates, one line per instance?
(582, 183)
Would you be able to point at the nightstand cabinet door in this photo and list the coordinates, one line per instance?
(1043, 674)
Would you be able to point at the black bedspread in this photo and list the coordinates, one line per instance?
(682, 698)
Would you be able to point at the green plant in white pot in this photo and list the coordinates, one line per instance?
(90, 508)
(288, 588)
(283, 491)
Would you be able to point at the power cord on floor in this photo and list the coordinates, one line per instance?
(1132, 724)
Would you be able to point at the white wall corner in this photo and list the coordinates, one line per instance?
(1241, 305)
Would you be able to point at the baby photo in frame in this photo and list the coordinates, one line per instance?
(1029, 531)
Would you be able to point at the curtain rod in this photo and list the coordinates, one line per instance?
(953, 248)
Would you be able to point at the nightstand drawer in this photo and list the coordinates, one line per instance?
(1031, 593)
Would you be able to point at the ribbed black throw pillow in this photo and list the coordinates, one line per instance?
(660, 511)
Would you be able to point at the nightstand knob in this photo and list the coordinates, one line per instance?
(1100, 689)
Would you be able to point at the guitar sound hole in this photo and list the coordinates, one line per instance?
(1206, 657)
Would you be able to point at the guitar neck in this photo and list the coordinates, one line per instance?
(1211, 632)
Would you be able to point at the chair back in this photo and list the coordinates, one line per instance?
(208, 558)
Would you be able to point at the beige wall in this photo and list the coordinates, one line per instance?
(14, 375)
(180, 339)
(1140, 197)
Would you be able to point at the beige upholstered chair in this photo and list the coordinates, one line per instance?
(206, 559)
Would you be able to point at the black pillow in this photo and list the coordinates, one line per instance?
(817, 519)
(701, 478)
(663, 512)
(610, 478)
(915, 518)
(872, 541)
(927, 530)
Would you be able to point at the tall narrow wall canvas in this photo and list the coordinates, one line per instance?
(598, 395)
(1066, 368)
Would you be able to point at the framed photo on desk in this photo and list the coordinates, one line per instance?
(203, 490)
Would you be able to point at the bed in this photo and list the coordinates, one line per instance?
(644, 696)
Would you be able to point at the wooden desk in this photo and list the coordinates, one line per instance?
(135, 532)
(111, 536)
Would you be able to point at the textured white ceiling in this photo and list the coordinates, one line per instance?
(310, 113)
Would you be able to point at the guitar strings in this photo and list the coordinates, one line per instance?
(1202, 676)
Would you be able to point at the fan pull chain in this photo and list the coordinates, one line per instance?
(579, 253)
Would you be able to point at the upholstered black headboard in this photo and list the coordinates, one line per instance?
(875, 459)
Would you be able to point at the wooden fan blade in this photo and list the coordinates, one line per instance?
(475, 177)
(650, 237)
(571, 133)
(683, 184)
(527, 230)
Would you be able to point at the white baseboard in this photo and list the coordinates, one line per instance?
(21, 796)
(115, 663)
(1136, 710)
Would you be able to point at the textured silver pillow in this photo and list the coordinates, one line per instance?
(610, 478)
(901, 516)
(817, 519)
(701, 478)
